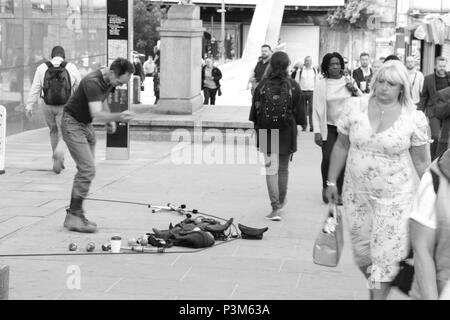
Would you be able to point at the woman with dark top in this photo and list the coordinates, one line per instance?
(279, 86)
(210, 82)
(330, 96)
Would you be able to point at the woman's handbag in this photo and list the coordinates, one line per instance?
(405, 277)
(330, 241)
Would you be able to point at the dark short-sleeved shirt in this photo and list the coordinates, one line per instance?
(260, 69)
(442, 83)
(92, 88)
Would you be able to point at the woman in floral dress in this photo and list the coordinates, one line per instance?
(379, 135)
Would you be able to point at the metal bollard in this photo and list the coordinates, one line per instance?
(2, 139)
(4, 282)
(136, 90)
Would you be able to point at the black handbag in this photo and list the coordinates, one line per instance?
(405, 277)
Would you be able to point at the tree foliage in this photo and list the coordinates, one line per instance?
(147, 22)
(353, 14)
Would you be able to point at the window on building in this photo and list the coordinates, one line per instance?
(42, 6)
(6, 7)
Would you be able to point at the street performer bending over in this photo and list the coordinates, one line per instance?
(88, 103)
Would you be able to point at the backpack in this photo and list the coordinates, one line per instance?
(274, 110)
(192, 239)
(57, 85)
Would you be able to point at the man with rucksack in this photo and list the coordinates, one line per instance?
(54, 81)
(307, 77)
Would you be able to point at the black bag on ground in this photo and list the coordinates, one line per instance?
(193, 239)
(274, 110)
(57, 85)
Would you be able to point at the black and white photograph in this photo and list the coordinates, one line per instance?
(225, 156)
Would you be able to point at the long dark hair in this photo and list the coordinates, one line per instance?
(326, 62)
(279, 62)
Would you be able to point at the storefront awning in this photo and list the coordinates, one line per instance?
(434, 28)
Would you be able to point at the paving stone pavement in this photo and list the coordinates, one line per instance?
(280, 266)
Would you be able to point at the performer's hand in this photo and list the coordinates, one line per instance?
(29, 113)
(126, 116)
(111, 127)
(318, 139)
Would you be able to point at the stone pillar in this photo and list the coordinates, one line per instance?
(181, 53)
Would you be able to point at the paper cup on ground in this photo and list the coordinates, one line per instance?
(116, 243)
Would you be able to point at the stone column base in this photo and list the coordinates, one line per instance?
(180, 106)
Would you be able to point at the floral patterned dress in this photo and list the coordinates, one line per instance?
(379, 186)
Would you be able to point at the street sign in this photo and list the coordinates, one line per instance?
(119, 36)
(2, 139)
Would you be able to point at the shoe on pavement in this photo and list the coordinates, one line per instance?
(78, 223)
(58, 162)
(274, 215)
(311, 130)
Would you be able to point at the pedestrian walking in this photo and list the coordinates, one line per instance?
(442, 113)
(379, 134)
(139, 70)
(307, 77)
(391, 57)
(430, 231)
(330, 95)
(416, 79)
(260, 68)
(276, 111)
(55, 81)
(156, 74)
(211, 76)
(149, 67)
(363, 75)
(89, 103)
(434, 82)
(376, 66)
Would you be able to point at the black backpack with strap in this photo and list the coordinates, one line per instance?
(57, 85)
(274, 109)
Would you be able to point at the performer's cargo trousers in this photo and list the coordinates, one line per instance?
(80, 140)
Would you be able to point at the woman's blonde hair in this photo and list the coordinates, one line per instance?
(394, 71)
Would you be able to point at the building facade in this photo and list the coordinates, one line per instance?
(426, 31)
(29, 29)
(300, 33)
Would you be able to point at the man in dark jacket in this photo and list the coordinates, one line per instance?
(211, 82)
(139, 69)
(434, 82)
(363, 75)
(442, 112)
(260, 68)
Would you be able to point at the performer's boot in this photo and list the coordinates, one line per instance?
(76, 220)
